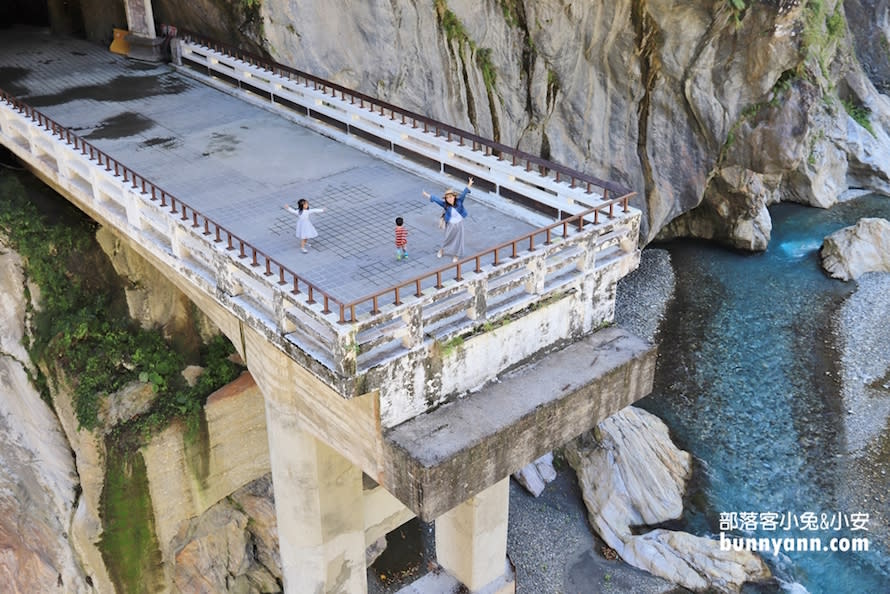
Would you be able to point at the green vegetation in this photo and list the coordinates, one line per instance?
(859, 114)
(83, 327)
(814, 140)
(748, 113)
(511, 12)
(83, 330)
(486, 66)
(451, 25)
(490, 325)
(552, 80)
(455, 31)
(821, 33)
(738, 10)
(778, 94)
(782, 86)
(450, 346)
(129, 545)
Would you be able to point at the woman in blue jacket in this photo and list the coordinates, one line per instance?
(453, 217)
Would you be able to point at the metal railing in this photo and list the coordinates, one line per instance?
(517, 157)
(347, 311)
(558, 173)
(493, 253)
(155, 193)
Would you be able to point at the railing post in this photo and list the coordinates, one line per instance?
(412, 334)
(231, 276)
(538, 268)
(478, 302)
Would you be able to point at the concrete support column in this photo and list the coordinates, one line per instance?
(144, 43)
(471, 539)
(319, 509)
(140, 17)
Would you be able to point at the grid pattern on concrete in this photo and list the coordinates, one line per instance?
(239, 164)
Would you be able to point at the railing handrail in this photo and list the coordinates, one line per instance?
(242, 244)
(544, 165)
(98, 154)
(416, 281)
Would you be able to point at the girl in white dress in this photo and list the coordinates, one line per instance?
(305, 228)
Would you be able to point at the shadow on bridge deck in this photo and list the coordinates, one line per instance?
(239, 164)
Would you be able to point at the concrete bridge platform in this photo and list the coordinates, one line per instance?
(437, 390)
(239, 163)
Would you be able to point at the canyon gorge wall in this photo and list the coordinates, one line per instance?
(709, 111)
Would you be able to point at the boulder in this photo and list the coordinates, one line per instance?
(734, 210)
(852, 251)
(632, 475)
(191, 374)
(257, 500)
(535, 475)
(214, 553)
(130, 401)
(695, 562)
(232, 547)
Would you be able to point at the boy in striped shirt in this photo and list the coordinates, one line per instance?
(401, 239)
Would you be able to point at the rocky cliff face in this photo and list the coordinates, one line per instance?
(212, 494)
(38, 482)
(710, 112)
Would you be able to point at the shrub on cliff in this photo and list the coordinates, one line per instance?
(82, 322)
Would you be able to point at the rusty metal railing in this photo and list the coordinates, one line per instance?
(347, 311)
(415, 120)
(187, 214)
(512, 246)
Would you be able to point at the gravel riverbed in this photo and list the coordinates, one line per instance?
(549, 540)
(863, 335)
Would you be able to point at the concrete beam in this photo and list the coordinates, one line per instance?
(439, 459)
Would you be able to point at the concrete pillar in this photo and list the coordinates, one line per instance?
(471, 539)
(143, 42)
(319, 509)
(140, 17)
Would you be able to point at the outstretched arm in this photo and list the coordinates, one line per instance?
(466, 191)
(435, 199)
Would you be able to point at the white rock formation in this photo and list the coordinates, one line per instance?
(535, 475)
(632, 475)
(852, 251)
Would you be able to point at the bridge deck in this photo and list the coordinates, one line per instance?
(239, 164)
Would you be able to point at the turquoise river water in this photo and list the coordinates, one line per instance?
(747, 382)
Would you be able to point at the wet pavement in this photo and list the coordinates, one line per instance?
(239, 164)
